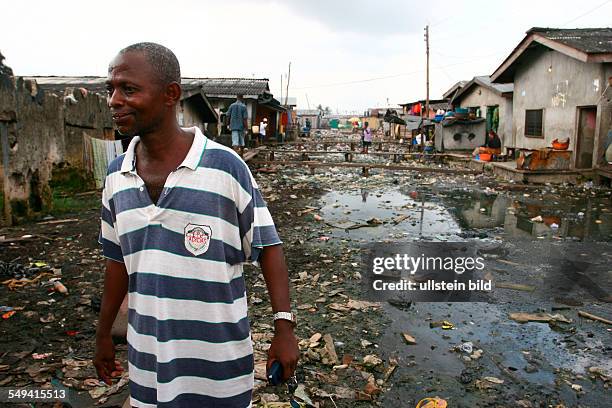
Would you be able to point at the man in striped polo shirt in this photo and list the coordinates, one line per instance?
(180, 215)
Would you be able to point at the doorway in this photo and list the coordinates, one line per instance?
(585, 137)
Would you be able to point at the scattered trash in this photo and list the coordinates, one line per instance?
(408, 338)
(514, 286)
(8, 315)
(372, 360)
(329, 357)
(41, 356)
(467, 347)
(432, 402)
(538, 317)
(488, 382)
(444, 324)
(593, 317)
(537, 219)
(60, 288)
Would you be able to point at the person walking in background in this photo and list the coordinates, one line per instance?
(238, 116)
(366, 137)
(263, 125)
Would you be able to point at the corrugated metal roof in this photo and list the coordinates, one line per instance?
(590, 45)
(589, 40)
(230, 87)
(452, 91)
(59, 83)
(221, 87)
(484, 81)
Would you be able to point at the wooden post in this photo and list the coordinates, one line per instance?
(346, 157)
(365, 171)
(312, 170)
(272, 155)
(352, 146)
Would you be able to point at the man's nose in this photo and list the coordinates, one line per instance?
(114, 99)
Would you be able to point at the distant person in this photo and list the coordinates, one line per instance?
(493, 141)
(237, 116)
(367, 137)
(492, 145)
(263, 125)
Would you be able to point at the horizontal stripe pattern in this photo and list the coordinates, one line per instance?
(188, 331)
(156, 261)
(195, 290)
(191, 367)
(168, 396)
(168, 391)
(165, 330)
(172, 349)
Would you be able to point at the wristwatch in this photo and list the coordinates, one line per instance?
(285, 316)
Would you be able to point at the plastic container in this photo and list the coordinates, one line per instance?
(485, 157)
(557, 145)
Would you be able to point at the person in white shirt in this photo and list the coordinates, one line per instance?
(262, 130)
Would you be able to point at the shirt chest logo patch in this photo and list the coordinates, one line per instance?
(197, 238)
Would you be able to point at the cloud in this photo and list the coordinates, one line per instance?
(393, 17)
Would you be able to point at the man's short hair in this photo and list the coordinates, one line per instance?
(162, 60)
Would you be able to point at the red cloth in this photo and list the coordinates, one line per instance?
(284, 119)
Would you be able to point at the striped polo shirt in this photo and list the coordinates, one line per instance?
(189, 341)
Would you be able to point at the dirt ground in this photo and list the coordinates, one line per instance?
(353, 350)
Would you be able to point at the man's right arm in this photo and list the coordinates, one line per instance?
(115, 289)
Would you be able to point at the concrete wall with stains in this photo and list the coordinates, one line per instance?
(42, 135)
(32, 121)
(558, 84)
(482, 97)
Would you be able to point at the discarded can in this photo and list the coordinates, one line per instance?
(59, 287)
(8, 315)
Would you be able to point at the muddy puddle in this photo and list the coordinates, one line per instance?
(377, 215)
(536, 361)
(408, 214)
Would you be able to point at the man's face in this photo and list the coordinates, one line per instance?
(135, 95)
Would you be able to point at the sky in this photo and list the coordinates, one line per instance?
(348, 55)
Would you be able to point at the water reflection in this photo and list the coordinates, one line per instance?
(375, 215)
(583, 218)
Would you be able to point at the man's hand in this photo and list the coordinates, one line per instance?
(104, 361)
(284, 348)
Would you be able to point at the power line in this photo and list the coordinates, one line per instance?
(588, 12)
(358, 81)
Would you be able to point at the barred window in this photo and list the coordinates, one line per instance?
(533, 123)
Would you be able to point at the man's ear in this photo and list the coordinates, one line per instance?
(173, 94)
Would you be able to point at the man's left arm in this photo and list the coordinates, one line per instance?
(284, 346)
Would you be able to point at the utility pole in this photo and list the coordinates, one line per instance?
(287, 93)
(426, 115)
(281, 98)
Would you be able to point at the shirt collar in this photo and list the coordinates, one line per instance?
(191, 161)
